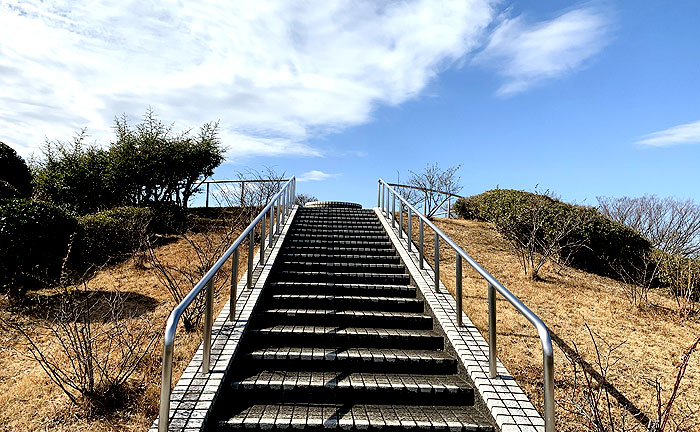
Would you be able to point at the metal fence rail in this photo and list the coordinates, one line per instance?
(386, 201)
(281, 203)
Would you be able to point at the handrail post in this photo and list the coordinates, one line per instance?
(548, 360)
(207, 200)
(386, 200)
(234, 287)
(251, 245)
(277, 221)
(437, 262)
(208, 321)
(272, 224)
(166, 378)
(393, 209)
(379, 193)
(458, 290)
(262, 240)
(409, 225)
(420, 243)
(400, 219)
(493, 373)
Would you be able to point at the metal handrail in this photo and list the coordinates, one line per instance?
(384, 193)
(282, 201)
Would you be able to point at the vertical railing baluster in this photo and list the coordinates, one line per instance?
(234, 286)
(379, 193)
(393, 209)
(409, 225)
(272, 224)
(262, 239)
(206, 204)
(251, 245)
(400, 219)
(437, 262)
(493, 373)
(420, 243)
(458, 291)
(277, 221)
(208, 321)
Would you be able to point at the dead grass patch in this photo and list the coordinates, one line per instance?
(29, 401)
(652, 340)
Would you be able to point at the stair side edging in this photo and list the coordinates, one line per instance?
(192, 398)
(507, 402)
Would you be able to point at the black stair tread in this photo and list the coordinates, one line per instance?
(337, 242)
(340, 250)
(383, 290)
(339, 274)
(357, 258)
(314, 229)
(333, 330)
(340, 298)
(351, 354)
(342, 267)
(343, 264)
(359, 416)
(427, 385)
(368, 313)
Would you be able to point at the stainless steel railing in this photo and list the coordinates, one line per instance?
(386, 195)
(282, 202)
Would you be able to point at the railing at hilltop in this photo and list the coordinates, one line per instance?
(278, 209)
(386, 201)
(426, 201)
(241, 195)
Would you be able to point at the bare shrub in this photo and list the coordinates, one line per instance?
(304, 198)
(206, 248)
(592, 397)
(541, 231)
(671, 225)
(100, 344)
(434, 188)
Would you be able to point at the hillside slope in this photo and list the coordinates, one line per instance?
(651, 341)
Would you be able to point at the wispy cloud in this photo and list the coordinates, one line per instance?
(315, 175)
(688, 133)
(274, 73)
(526, 54)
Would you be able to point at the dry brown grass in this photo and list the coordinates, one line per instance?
(653, 339)
(29, 401)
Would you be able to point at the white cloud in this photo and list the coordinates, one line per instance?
(274, 73)
(525, 54)
(315, 175)
(682, 134)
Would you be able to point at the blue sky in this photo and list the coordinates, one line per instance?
(581, 98)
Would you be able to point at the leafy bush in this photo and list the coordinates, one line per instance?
(602, 246)
(34, 236)
(681, 274)
(109, 236)
(147, 164)
(15, 177)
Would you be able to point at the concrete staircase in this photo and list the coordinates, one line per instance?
(341, 341)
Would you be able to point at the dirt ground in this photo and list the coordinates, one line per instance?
(29, 401)
(651, 341)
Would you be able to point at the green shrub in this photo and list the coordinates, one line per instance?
(607, 246)
(15, 177)
(167, 218)
(681, 274)
(108, 237)
(34, 239)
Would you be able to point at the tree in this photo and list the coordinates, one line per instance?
(671, 225)
(302, 199)
(434, 187)
(15, 177)
(148, 164)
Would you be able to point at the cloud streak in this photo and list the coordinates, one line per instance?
(274, 73)
(315, 175)
(688, 133)
(526, 54)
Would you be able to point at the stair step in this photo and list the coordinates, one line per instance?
(345, 302)
(360, 236)
(353, 258)
(330, 288)
(337, 243)
(338, 227)
(348, 318)
(340, 337)
(387, 418)
(342, 267)
(352, 360)
(381, 278)
(345, 387)
(325, 248)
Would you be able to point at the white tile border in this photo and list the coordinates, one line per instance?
(509, 406)
(193, 396)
